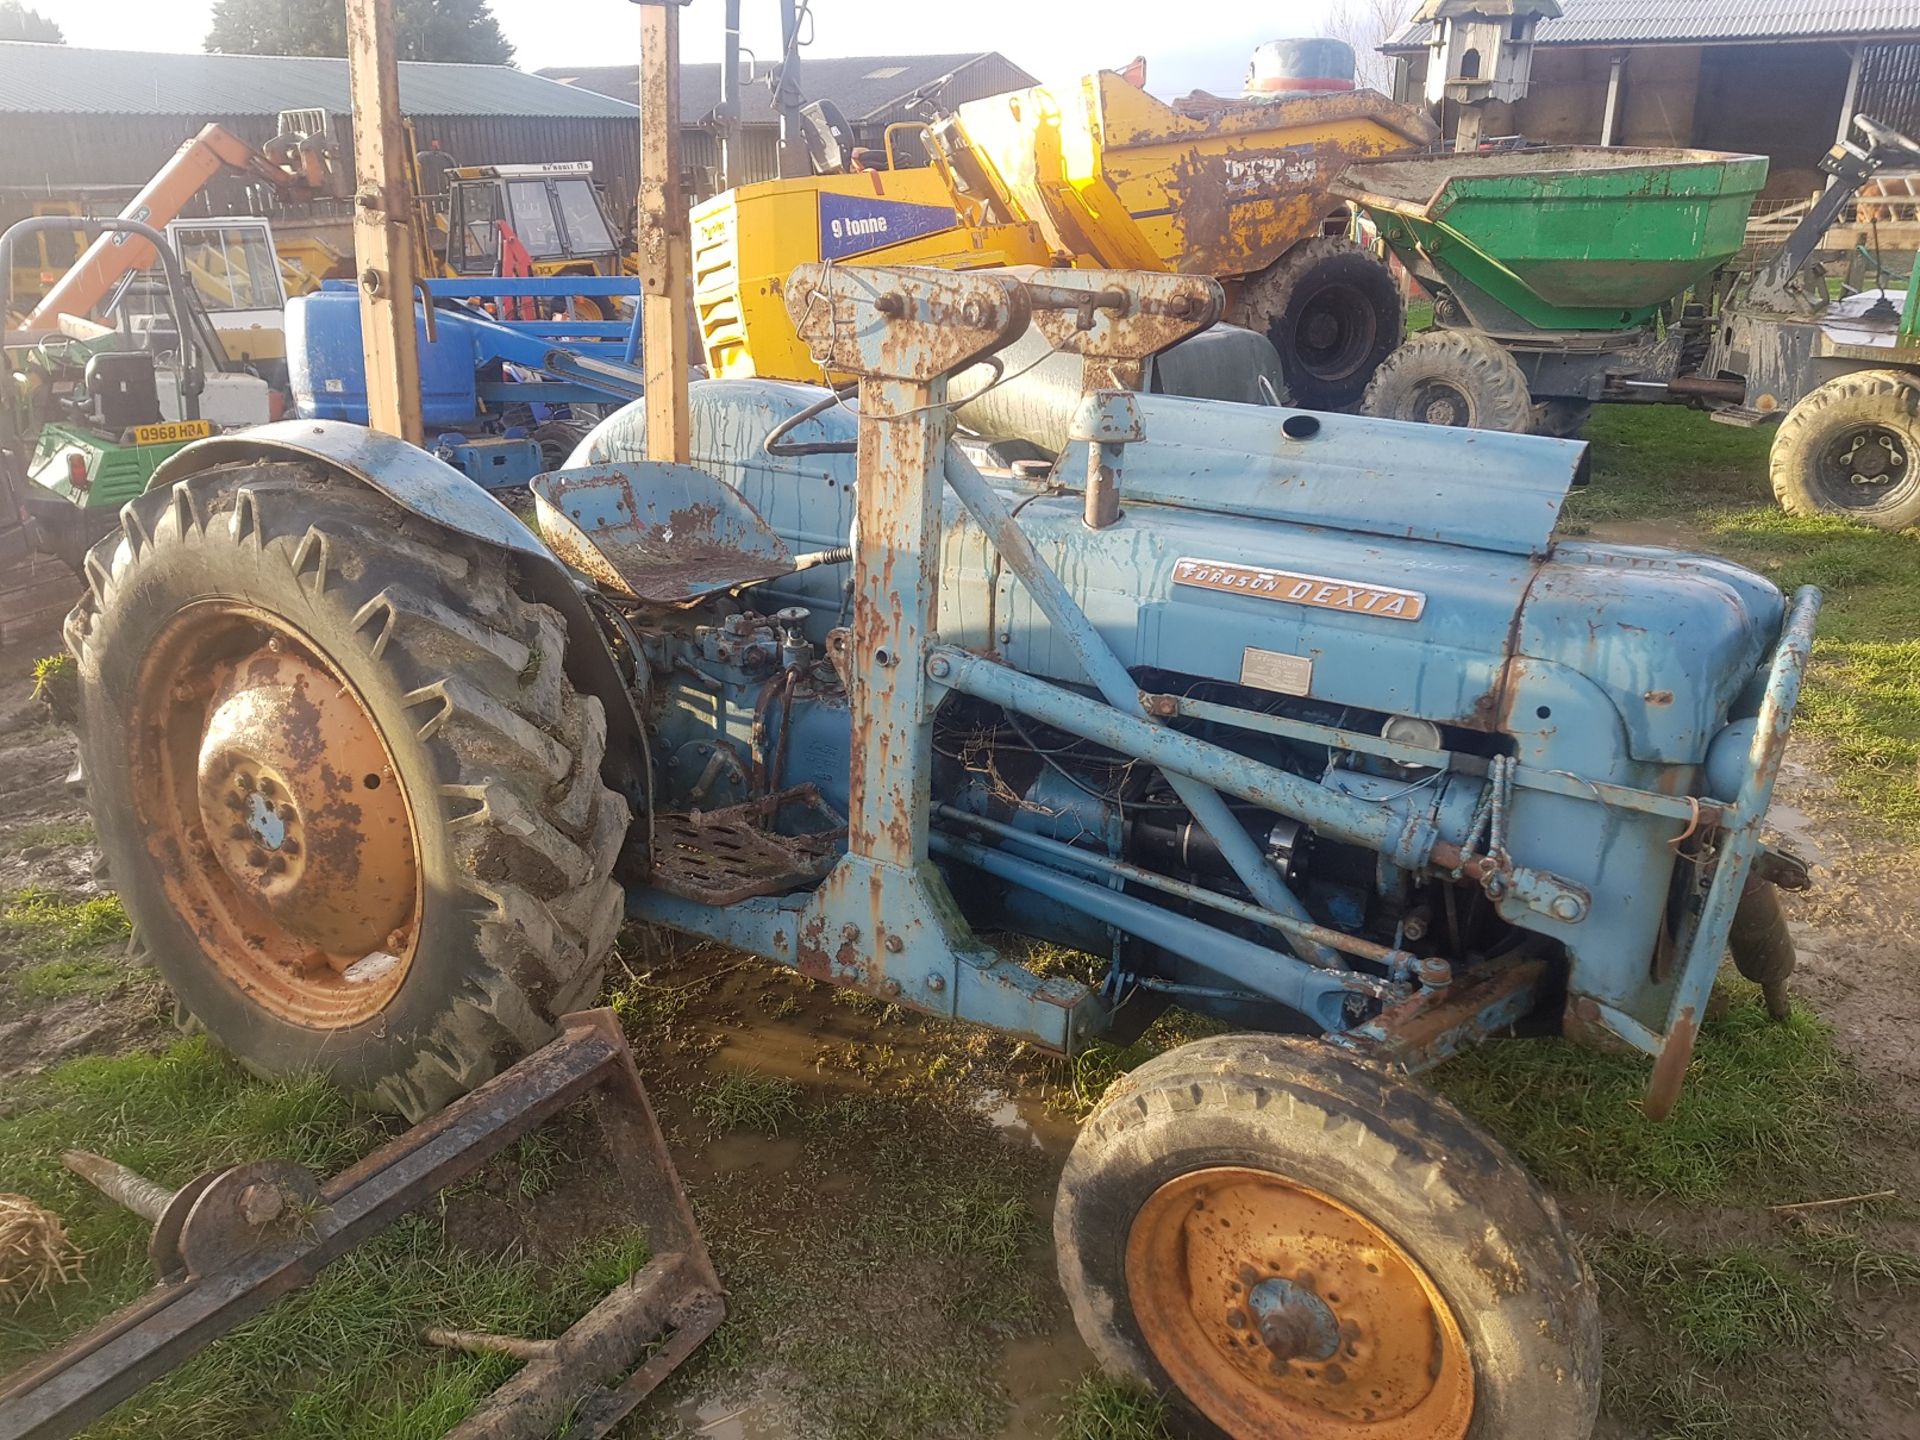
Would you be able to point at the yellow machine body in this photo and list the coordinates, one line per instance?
(1118, 179)
(746, 243)
(1095, 174)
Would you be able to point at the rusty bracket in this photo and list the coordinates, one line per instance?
(229, 1244)
(1447, 1015)
(1116, 319)
(906, 324)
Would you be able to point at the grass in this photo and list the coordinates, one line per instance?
(740, 1100)
(52, 834)
(1772, 1113)
(1862, 698)
(45, 922)
(49, 980)
(1101, 1408)
(340, 1360)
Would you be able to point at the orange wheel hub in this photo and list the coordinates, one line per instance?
(281, 829)
(1279, 1311)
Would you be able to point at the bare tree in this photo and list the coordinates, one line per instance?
(1365, 24)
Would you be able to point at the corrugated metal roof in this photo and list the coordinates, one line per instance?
(1652, 22)
(66, 80)
(862, 86)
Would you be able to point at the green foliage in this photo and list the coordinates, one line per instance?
(19, 22)
(51, 923)
(64, 979)
(742, 1101)
(1771, 1112)
(56, 682)
(341, 1359)
(1102, 1408)
(445, 30)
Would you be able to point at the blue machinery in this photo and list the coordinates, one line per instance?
(884, 919)
(1331, 637)
(1307, 721)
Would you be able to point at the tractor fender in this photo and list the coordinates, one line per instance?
(440, 495)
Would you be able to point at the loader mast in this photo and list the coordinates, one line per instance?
(298, 172)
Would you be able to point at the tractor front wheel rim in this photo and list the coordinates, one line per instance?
(1277, 1310)
(276, 816)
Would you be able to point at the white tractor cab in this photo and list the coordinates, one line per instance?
(233, 265)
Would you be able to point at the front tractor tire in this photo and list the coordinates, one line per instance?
(1852, 448)
(349, 798)
(1333, 310)
(1288, 1241)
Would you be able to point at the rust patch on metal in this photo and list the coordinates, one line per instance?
(278, 822)
(1670, 1067)
(721, 857)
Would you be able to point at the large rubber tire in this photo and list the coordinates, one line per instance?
(1872, 416)
(1452, 377)
(1394, 1154)
(515, 832)
(1333, 310)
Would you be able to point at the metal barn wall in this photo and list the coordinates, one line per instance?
(110, 156)
(1890, 86)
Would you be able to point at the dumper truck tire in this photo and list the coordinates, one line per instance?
(1452, 377)
(1333, 310)
(1852, 448)
(349, 798)
(1289, 1241)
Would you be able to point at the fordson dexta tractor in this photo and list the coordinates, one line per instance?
(1301, 720)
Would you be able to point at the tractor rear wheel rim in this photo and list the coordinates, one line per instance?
(1277, 1310)
(277, 820)
(1867, 467)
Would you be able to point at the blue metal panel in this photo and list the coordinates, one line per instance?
(1478, 488)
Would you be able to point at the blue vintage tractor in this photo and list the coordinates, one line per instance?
(1303, 720)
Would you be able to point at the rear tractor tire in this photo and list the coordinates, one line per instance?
(348, 796)
(1291, 1242)
(1333, 310)
(1852, 448)
(1452, 377)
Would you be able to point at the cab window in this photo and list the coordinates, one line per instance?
(533, 219)
(587, 232)
(473, 229)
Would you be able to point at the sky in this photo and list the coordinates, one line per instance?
(1201, 44)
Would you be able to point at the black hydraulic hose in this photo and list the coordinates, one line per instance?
(195, 376)
(775, 445)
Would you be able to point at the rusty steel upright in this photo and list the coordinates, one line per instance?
(382, 223)
(665, 279)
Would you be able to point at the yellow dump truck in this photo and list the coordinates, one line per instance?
(1096, 174)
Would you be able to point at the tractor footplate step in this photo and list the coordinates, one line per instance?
(721, 857)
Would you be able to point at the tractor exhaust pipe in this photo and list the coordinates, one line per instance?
(1762, 945)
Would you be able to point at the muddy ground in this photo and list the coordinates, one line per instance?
(800, 1196)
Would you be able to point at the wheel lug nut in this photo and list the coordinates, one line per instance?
(289, 847)
(257, 859)
(238, 832)
(277, 865)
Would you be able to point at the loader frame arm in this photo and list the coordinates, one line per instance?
(215, 151)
